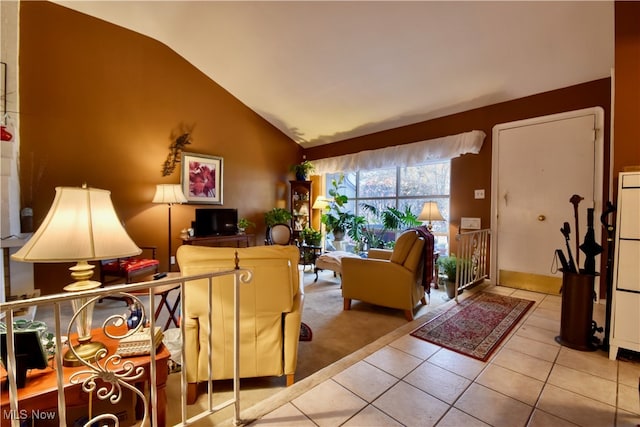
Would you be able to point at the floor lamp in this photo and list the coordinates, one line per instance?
(169, 194)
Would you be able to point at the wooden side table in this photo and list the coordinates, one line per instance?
(309, 254)
(40, 393)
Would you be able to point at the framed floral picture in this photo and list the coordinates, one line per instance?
(201, 178)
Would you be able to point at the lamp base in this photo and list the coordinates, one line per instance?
(86, 351)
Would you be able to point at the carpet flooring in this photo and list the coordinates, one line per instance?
(476, 326)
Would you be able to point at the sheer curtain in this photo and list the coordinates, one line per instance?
(416, 153)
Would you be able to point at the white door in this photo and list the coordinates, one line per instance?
(538, 165)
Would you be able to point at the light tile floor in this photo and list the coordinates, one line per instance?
(529, 381)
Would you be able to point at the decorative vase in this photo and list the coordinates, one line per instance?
(26, 220)
(301, 176)
(135, 315)
(450, 287)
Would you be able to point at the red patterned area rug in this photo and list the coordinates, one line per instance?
(476, 325)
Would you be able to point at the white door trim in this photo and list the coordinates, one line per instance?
(598, 113)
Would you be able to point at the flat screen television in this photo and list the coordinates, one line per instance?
(215, 222)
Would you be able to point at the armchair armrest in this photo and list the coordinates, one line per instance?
(372, 270)
(379, 254)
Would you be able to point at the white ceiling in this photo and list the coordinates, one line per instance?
(327, 71)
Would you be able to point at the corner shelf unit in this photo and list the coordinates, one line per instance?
(300, 206)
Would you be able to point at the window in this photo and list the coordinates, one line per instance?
(401, 187)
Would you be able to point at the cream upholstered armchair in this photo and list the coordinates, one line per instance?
(387, 278)
(270, 313)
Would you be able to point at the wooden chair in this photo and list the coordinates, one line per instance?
(279, 234)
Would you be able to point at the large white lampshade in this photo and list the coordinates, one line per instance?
(169, 193)
(81, 226)
(430, 213)
(321, 202)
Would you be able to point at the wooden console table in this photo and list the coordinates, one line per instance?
(233, 241)
(40, 393)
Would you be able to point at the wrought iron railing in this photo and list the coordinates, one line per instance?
(472, 259)
(108, 376)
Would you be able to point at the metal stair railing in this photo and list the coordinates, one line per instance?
(472, 259)
(116, 381)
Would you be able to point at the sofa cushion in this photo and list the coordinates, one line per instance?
(403, 246)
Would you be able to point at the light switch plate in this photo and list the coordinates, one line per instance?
(478, 194)
(470, 223)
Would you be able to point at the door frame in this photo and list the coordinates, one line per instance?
(598, 113)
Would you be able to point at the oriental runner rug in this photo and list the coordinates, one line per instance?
(476, 326)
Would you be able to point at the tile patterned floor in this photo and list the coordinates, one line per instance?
(529, 381)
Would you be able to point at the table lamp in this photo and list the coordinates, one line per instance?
(169, 194)
(81, 226)
(322, 203)
(430, 213)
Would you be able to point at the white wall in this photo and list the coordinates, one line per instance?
(9, 189)
(21, 274)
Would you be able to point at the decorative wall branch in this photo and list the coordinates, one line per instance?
(179, 139)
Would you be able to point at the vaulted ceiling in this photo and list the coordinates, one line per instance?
(325, 71)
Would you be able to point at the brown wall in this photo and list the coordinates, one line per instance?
(99, 104)
(473, 171)
(627, 87)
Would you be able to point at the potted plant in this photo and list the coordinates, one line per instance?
(311, 236)
(243, 224)
(336, 223)
(387, 219)
(277, 216)
(337, 219)
(448, 266)
(302, 170)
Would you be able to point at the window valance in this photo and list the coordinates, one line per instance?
(416, 153)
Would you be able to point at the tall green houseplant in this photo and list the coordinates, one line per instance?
(337, 219)
(390, 219)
